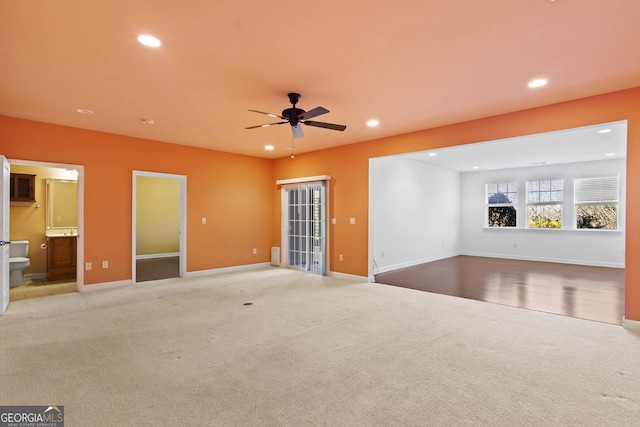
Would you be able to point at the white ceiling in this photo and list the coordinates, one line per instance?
(582, 144)
(412, 64)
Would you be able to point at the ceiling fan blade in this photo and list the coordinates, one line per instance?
(325, 125)
(268, 114)
(297, 131)
(313, 113)
(266, 125)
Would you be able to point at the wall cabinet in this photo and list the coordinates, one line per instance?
(61, 257)
(22, 187)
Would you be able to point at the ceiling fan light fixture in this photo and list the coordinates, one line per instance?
(296, 116)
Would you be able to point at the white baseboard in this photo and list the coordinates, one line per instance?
(415, 262)
(348, 276)
(541, 259)
(632, 325)
(152, 256)
(228, 269)
(36, 276)
(105, 285)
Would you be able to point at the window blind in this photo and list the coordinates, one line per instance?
(596, 190)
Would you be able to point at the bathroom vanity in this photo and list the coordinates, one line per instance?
(61, 257)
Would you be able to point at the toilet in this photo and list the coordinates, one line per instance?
(18, 261)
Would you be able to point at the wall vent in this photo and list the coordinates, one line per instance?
(275, 256)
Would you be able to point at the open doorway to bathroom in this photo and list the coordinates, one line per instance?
(159, 226)
(47, 228)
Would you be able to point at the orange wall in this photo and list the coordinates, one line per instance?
(232, 191)
(349, 168)
(241, 201)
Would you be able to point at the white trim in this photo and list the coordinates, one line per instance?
(348, 276)
(303, 179)
(229, 269)
(80, 214)
(415, 262)
(540, 259)
(182, 272)
(632, 325)
(153, 256)
(106, 285)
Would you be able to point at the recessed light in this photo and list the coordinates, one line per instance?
(476, 167)
(373, 123)
(268, 147)
(433, 154)
(537, 83)
(84, 111)
(149, 41)
(147, 121)
(604, 131)
(610, 154)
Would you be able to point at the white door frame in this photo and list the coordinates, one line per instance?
(284, 216)
(4, 237)
(183, 219)
(80, 243)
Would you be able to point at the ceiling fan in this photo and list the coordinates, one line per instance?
(295, 116)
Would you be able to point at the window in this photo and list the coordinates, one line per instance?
(596, 202)
(545, 199)
(502, 200)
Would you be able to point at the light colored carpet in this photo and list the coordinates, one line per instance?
(311, 351)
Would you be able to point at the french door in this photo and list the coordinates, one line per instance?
(305, 224)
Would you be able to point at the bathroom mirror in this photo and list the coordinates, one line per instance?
(62, 203)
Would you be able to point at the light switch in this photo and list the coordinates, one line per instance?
(87, 266)
(333, 221)
(105, 264)
(204, 220)
(352, 220)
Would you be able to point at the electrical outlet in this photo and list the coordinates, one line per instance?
(255, 251)
(87, 266)
(352, 221)
(341, 257)
(105, 264)
(204, 220)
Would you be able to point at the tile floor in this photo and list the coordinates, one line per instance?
(36, 288)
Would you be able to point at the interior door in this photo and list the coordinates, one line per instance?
(4, 239)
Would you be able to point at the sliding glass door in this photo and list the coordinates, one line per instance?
(306, 219)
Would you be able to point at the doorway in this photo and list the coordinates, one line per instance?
(304, 207)
(39, 222)
(159, 226)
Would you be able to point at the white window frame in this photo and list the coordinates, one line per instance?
(513, 204)
(551, 202)
(615, 202)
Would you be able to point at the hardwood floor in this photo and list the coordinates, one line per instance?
(593, 293)
(157, 268)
